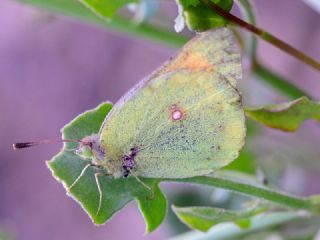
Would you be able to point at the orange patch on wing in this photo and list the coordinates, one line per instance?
(194, 61)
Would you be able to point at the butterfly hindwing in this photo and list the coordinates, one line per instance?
(187, 118)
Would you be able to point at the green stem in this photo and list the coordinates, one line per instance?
(266, 36)
(274, 80)
(277, 82)
(251, 190)
(246, 8)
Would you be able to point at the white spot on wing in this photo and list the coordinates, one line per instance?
(176, 115)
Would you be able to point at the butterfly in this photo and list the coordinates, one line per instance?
(186, 119)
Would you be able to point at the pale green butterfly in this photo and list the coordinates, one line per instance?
(184, 120)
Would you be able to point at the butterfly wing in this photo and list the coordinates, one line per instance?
(186, 119)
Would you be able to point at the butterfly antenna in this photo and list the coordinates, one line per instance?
(21, 145)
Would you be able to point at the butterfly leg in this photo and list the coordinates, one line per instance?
(96, 176)
(71, 150)
(80, 175)
(145, 185)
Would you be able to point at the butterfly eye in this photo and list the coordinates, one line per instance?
(125, 157)
(87, 144)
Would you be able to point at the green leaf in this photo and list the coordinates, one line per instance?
(199, 17)
(106, 8)
(286, 116)
(227, 231)
(116, 193)
(315, 200)
(189, 2)
(203, 218)
(244, 163)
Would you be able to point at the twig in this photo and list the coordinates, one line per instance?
(265, 36)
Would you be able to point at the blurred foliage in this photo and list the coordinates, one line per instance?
(286, 116)
(106, 8)
(203, 218)
(244, 163)
(228, 231)
(5, 234)
(74, 9)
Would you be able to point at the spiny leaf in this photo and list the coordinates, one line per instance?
(198, 16)
(106, 8)
(286, 116)
(116, 193)
(203, 218)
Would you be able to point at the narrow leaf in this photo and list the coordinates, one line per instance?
(106, 8)
(116, 193)
(75, 9)
(227, 231)
(244, 184)
(203, 218)
(286, 116)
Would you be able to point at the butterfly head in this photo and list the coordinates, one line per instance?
(90, 147)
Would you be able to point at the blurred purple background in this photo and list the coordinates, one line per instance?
(53, 68)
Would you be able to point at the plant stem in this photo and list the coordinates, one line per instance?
(251, 190)
(266, 36)
(277, 82)
(246, 7)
